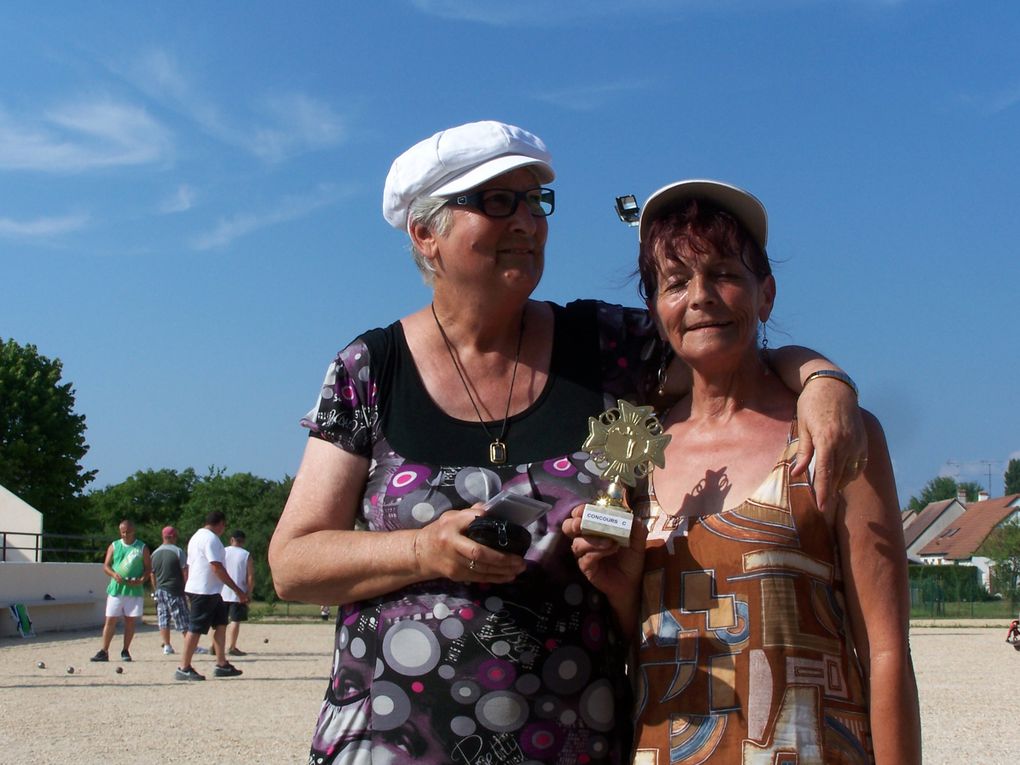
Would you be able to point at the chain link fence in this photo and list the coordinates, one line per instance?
(954, 592)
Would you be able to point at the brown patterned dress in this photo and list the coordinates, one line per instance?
(746, 656)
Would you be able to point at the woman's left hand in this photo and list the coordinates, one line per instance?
(614, 569)
(832, 429)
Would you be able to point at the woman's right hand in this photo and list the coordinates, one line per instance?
(442, 550)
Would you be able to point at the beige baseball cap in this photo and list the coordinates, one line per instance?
(742, 205)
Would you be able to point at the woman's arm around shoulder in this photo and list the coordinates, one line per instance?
(831, 427)
(874, 561)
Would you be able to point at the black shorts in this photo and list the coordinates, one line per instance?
(206, 611)
(238, 612)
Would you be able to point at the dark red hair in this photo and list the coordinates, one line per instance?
(696, 227)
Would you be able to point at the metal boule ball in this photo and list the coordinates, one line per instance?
(120, 670)
(41, 664)
(70, 670)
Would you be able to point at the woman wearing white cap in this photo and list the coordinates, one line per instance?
(769, 630)
(447, 650)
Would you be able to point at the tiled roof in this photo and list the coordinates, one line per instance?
(961, 538)
(924, 519)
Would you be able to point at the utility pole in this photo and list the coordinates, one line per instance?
(988, 464)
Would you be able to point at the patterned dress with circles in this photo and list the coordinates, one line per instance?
(448, 672)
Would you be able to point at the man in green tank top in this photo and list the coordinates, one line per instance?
(128, 565)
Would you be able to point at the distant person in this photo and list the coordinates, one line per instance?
(206, 577)
(324, 613)
(169, 573)
(241, 568)
(128, 565)
(1014, 631)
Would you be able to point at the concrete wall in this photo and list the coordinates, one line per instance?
(29, 583)
(16, 515)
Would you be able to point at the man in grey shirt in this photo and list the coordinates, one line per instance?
(169, 573)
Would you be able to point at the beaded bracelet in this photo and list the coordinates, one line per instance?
(834, 374)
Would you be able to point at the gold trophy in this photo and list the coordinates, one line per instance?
(624, 442)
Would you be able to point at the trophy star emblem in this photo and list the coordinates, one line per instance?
(626, 441)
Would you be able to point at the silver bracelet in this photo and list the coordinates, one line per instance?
(834, 374)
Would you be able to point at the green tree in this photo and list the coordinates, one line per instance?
(1002, 547)
(1011, 478)
(151, 498)
(943, 487)
(42, 439)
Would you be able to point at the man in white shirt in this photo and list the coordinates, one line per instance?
(242, 570)
(206, 578)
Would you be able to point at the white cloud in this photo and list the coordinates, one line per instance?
(949, 469)
(81, 136)
(500, 14)
(292, 208)
(1005, 99)
(539, 12)
(283, 125)
(160, 77)
(301, 124)
(589, 97)
(180, 201)
(41, 228)
(987, 102)
(535, 13)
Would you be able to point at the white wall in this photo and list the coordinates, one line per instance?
(25, 582)
(18, 516)
(952, 511)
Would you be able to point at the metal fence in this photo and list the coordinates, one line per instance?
(52, 548)
(955, 592)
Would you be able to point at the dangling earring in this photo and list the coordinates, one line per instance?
(764, 337)
(667, 357)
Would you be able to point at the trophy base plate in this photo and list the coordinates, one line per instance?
(608, 522)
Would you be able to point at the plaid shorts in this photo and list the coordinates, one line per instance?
(169, 605)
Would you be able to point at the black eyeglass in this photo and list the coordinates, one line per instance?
(502, 203)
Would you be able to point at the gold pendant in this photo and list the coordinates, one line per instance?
(497, 452)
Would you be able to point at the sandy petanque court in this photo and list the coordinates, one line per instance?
(966, 675)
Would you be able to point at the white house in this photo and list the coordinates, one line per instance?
(20, 528)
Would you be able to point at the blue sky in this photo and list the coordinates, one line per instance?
(190, 193)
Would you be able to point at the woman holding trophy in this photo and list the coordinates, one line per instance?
(447, 650)
(770, 629)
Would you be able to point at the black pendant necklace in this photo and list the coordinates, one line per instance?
(497, 449)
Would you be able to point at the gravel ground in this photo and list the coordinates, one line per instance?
(266, 716)
(143, 715)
